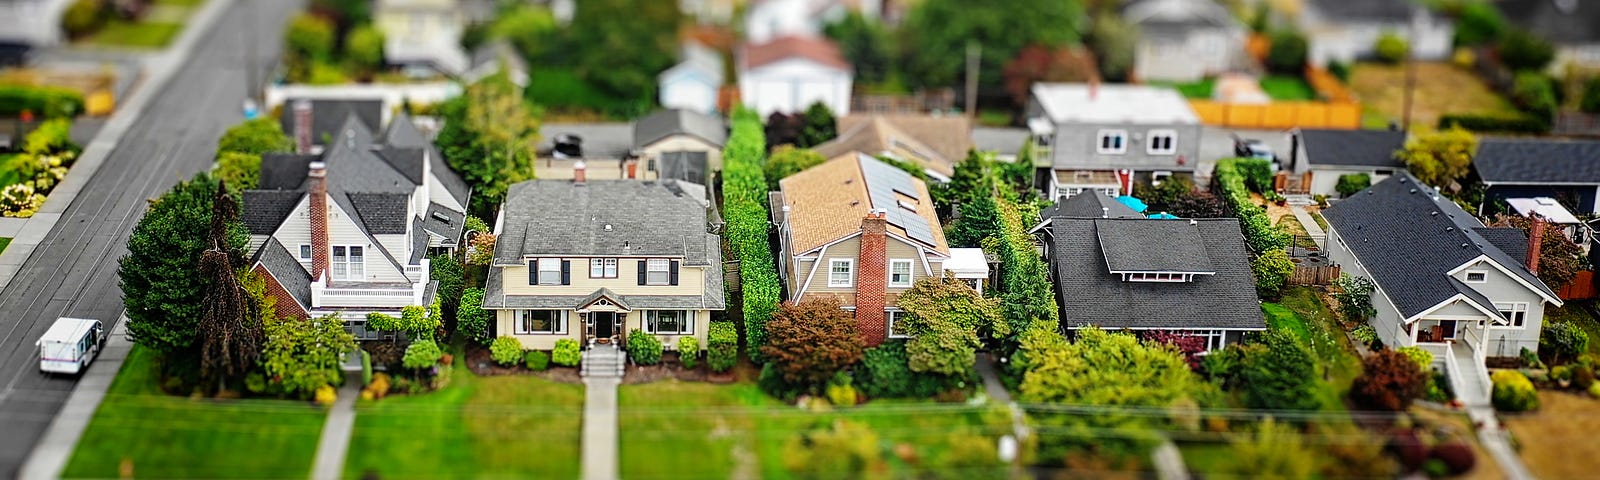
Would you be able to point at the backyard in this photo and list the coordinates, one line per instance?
(155, 435)
(513, 426)
(1440, 88)
(1581, 314)
(1556, 441)
(1301, 310)
(158, 27)
(1278, 87)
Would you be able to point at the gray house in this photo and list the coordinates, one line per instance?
(1568, 171)
(1184, 40)
(1347, 30)
(1102, 138)
(1445, 282)
(1320, 157)
(1569, 24)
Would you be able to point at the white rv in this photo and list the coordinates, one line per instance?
(70, 345)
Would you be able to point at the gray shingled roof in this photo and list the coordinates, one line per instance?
(1353, 148)
(328, 116)
(1511, 240)
(419, 242)
(450, 227)
(666, 123)
(1089, 205)
(382, 213)
(1508, 160)
(284, 171)
(1152, 246)
(1408, 238)
(266, 209)
(286, 269)
(1090, 294)
(403, 133)
(406, 160)
(603, 217)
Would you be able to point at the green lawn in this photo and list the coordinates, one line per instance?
(506, 426)
(1199, 90)
(564, 91)
(165, 436)
(1287, 88)
(118, 33)
(4, 242)
(737, 431)
(1313, 322)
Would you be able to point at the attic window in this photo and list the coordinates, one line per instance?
(910, 207)
(440, 216)
(1172, 277)
(1477, 276)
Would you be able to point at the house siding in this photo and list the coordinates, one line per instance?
(789, 86)
(296, 231)
(686, 143)
(1501, 288)
(1075, 148)
(505, 326)
(691, 280)
(1388, 321)
(895, 248)
(1189, 55)
(1326, 181)
(688, 89)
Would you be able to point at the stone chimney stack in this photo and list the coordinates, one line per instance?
(872, 271)
(302, 127)
(579, 172)
(318, 179)
(1535, 241)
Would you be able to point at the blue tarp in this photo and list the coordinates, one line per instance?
(1136, 204)
(1162, 216)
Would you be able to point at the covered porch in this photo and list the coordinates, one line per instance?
(1459, 346)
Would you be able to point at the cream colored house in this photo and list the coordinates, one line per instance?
(592, 260)
(423, 33)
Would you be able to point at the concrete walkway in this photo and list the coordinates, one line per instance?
(49, 458)
(1497, 441)
(600, 428)
(335, 441)
(1312, 228)
(991, 380)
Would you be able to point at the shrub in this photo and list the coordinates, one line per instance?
(1478, 23)
(745, 197)
(885, 372)
(1281, 376)
(379, 321)
(1365, 333)
(82, 18)
(1389, 380)
(1391, 49)
(310, 37)
(1408, 449)
(1562, 340)
(1352, 183)
(1355, 301)
(326, 395)
(689, 352)
(43, 101)
(1523, 50)
(1513, 392)
(644, 348)
(475, 224)
(366, 367)
(537, 360)
(844, 449)
(1439, 389)
(1272, 270)
(1590, 102)
(1594, 390)
(810, 342)
(842, 395)
(1534, 93)
(566, 353)
(1339, 70)
(1456, 456)
(363, 48)
(1423, 358)
(421, 354)
(471, 318)
(722, 346)
(1495, 123)
(1561, 373)
(1259, 232)
(506, 350)
(1288, 52)
(1582, 377)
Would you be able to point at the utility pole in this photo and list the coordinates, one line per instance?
(974, 52)
(1411, 74)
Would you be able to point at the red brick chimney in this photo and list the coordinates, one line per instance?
(302, 127)
(318, 176)
(1535, 239)
(579, 174)
(872, 272)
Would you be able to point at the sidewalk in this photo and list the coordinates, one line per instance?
(600, 428)
(50, 457)
(335, 441)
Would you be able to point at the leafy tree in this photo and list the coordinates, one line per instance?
(1288, 52)
(1479, 23)
(1391, 49)
(1560, 259)
(530, 28)
(619, 46)
(1534, 93)
(422, 354)
(942, 29)
(945, 319)
(980, 219)
(1281, 376)
(1389, 381)
(819, 127)
(1026, 294)
(302, 355)
(1272, 269)
(1115, 42)
(1198, 204)
(471, 319)
(239, 170)
(866, 44)
(1037, 63)
(1524, 50)
(162, 286)
(1355, 298)
(346, 13)
(83, 17)
(1562, 340)
(783, 129)
(1276, 450)
(452, 277)
(1440, 158)
(488, 137)
(310, 37)
(230, 325)
(807, 343)
(1191, 346)
(1352, 183)
(787, 160)
(1590, 102)
(255, 137)
(363, 48)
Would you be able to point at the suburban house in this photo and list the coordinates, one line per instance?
(1568, 171)
(1118, 271)
(936, 143)
(1184, 40)
(680, 144)
(328, 118)
(1569, 24)
(1078, 206)
(617, 255)
(1320, 157)
(1445, 282)
(1103, 138)
(788, 74)
(1346, 30)
(693, 83)
(766, 20)
(861, 232)
(424, 36)
(347, 231)
(1555, 216)
(35, 23)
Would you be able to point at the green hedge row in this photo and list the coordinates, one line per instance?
(722, 346)
(44, 102)
(1495, 123)
(1259, 232)
(744, 189)
(1027, 297)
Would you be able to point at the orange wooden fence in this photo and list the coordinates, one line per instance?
(1581, 287)
(1279, 115)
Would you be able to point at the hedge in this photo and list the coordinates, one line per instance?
(689, 352)
(1259, 232)
(745, 201)
(44, 102)
(722, 346)
(1027, 297)
(644, 348)
(1495, 123)
(1513, 392)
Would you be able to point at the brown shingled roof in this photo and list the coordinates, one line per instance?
(935, 143)
(815, 49)
(828, 201)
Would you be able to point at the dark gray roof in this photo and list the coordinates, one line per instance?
(1002, 140)
(267, 209)
(603, 217)
(600, 140)
(1580, 25)
(286, 269)
(666, 123)
(403, 133)
(1353, 148)
(328, 116)
(419, 242)
(1386, 11)
(449, 226)
(1508, 160)
(406, 160)
(1089, 205)
(382, 213)
(1090, 294)
(1152, 246)
(1408, 239)
(1511, 240)
(284, 171)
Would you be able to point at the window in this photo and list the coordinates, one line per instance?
(669, 322)
(1156, 277)
(602, 268)
(658, 271)
(537, 322)
(1162, 142)
(305, 253)
(900, 273)
(1113, 141)
(896, 330)
(839, 272)
(348, 263)
(1477, 276)
(549, 271)
(1516, 313)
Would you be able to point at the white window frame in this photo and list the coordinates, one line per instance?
(1510, 311)
(554, 267)
(351, 269)
(657, 266)
(890, 316)
(1468, 276)
(687, 321)
(520, 316)
(1153, 135)
(909, 275)
(1100, 142)
(849, 273)
(602, 268)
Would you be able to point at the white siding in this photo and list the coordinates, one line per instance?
(792, 85)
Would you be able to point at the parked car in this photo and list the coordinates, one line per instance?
(1252, 148)
(70, 345)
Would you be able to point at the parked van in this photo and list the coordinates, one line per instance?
(70, 345)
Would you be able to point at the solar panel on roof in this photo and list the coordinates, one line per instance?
(883, 181)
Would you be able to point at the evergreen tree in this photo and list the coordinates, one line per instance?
(230, 326)
(162, 286)
(819, 127)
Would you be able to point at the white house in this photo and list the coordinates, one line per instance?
(791, 73)
(767, 20)
(423, 34)
(1347, 30)
(693, 83)
(1104, 138)
(1184, 40)
(35, 23)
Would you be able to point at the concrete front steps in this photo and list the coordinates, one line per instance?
(603, 361)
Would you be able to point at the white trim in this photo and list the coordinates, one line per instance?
(347, 263)
(851, 282)
(909, 273)
(1484, 274)
(516, 321)
(888, 322)
(1151, 135)
(1503, 269)
(927, 268)
(1100, 137)
(1513, 307)
(687, 320)
(1419, 316)
(814, 263)
(836, 241)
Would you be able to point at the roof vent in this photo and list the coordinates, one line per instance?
(850, 180)
(855, 202)
(1464, 245)
(1434, 213)
(1194, 222)
(568, 146)
(1402, 179)
(1413, 190)
(440, 216)
(608, 227)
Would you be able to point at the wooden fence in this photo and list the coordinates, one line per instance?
(1581, 287)
(1314, 275)
(1279, 115)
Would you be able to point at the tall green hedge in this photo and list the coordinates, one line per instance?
(1259, 232)
(744, 188)
(43, 102)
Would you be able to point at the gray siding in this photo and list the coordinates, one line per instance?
(1509, 341)
(1074, 147)
(1388, 320)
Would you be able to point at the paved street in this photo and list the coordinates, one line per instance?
(73, 270)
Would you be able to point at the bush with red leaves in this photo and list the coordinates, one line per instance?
(1457, 457)
(1409, 450)
(1389, 380)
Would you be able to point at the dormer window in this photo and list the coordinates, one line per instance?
(1477, 276)
(1174, 277)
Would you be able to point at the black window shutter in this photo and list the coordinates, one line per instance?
(674, 271)
(641, 272)
(533, 272)
(566, 272)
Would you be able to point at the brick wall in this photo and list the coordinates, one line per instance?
(283, 301)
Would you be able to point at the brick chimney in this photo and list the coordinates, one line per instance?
(872, 271)
(302, 126)
(579, 172)
(1535, 241)
(318, 177)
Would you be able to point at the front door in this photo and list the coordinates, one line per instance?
(604, 324)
